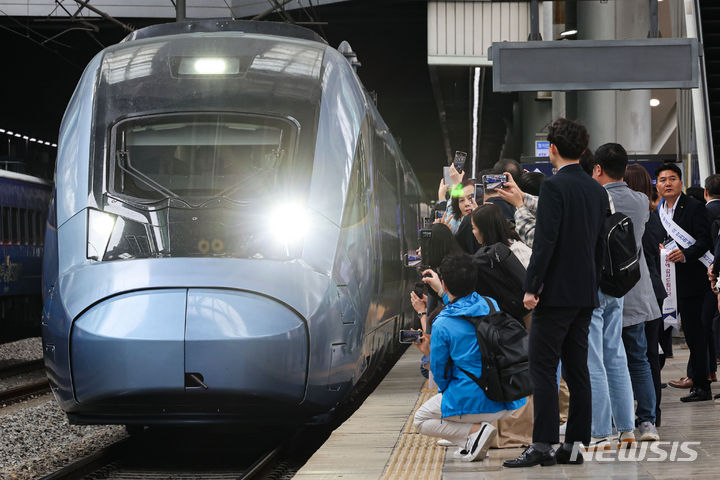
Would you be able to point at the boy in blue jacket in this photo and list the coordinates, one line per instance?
(461, 412)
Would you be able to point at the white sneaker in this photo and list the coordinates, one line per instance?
(445, 443)
(460, 453)
(478, 443)
(598, 443)
(563, 427)
(626, 439)
(648, 432)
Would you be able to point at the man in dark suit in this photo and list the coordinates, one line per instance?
(562, 286)
(691, 275)
(710, 303)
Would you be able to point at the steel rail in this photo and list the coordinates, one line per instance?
(91, 463)
(16, 394)
(19, 368)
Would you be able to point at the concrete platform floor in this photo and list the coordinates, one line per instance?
(378, 441)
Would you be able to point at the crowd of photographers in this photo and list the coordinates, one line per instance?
(536, 248)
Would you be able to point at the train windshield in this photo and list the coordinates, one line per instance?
(196, 157)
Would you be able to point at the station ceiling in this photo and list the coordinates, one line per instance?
(45, 56)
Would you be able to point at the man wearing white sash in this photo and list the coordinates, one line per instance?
(686, 246)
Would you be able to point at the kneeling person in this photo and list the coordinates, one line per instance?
(461, 412)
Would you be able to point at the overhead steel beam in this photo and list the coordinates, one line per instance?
(595, 65)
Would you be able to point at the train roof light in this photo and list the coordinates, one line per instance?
(209, 66)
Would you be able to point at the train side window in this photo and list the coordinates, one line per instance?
(40, 221)
(2, 225)
(22, 226)
(7, 225)
(11, 225)
(387, 168)
(357, 205)
(32, 227)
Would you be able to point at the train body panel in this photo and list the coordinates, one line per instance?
(172, 240)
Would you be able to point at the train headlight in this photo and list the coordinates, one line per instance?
(208, 66)
(100, 227)
(290, 223)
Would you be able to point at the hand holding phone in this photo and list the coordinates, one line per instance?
(459, 160)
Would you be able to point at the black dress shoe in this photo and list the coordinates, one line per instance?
(697, 394)
(564, 452)
(531, 457)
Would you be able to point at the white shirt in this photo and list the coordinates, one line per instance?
(671, 211)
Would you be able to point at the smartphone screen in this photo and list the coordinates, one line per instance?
(410, 336)
(459, 160)
(479, 193)
(446, 175)
(492, 182)
(413, 258)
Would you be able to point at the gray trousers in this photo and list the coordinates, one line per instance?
(428, 421)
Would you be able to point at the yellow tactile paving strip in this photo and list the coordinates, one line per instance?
(416, 456)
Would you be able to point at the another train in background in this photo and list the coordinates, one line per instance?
(24, 199)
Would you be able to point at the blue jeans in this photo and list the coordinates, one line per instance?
(640, 374)
(612, 396)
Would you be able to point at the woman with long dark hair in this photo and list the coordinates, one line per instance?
(489, 227)
(638, 179)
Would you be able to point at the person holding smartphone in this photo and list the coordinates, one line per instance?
(461, 412)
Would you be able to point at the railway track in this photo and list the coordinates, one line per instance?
(30, 387)
(16, 394)
(135, 459)
(20, 368)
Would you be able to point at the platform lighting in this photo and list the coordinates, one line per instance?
(33, 139)
(2, 130)
(654, 102)
(54, 145)
(9, 133)
(47, 143)
(25, 137)
(18, 135)
(569, 33)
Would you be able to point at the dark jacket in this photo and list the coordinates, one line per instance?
(563, 268)
(713, 213)
(652, 238)
(691, 216)
(507, 210)
(465, 237)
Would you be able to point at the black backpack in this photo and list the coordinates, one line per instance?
(620, 269)
(501, 276)
(503, 344)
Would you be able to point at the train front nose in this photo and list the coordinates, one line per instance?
(185, 352)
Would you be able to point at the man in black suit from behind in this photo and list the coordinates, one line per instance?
(562, 285)
(690, 274)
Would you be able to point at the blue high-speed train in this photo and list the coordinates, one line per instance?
(227, 239)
